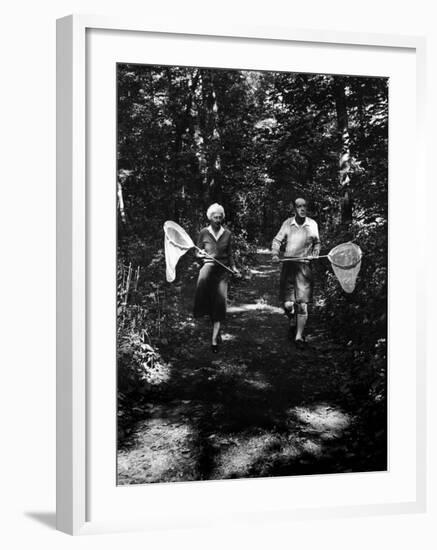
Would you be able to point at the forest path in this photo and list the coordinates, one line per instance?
(258, 408)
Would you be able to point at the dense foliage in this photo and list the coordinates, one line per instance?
(252, 141)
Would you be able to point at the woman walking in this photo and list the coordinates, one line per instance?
(212, 283)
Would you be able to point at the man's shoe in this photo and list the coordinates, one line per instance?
(300, 343)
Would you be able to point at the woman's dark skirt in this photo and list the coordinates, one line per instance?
(211, 292)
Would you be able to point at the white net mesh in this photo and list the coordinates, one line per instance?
(176, 243)
(346, 263)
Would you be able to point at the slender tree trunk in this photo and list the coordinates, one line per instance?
(345, 155)
(121, 202)
(198, 137)
(361, 117)
(215, 163)
(122, 176)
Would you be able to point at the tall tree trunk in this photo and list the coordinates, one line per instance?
(182, 123)
(345, 155)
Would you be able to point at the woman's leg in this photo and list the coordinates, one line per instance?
(215, 332)
(202, 297)
(218, 313)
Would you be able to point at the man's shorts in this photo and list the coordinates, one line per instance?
(296, 282)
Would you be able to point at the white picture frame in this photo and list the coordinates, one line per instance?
(73, 299)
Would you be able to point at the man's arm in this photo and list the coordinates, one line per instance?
(278, 240)
(316, 241)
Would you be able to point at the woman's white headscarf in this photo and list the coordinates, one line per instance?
(215, 209)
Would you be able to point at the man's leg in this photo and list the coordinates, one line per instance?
(289, 308)
(290, 312)
(304, 291)
(287, 295)
(302, 317)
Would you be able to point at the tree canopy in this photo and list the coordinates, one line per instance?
(252, 141)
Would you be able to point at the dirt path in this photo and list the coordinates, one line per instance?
(258, 408)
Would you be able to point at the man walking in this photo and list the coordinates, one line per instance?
(301, 235)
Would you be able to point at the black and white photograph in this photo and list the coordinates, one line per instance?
(252, 268)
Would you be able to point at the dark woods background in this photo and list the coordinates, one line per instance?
(253, 141)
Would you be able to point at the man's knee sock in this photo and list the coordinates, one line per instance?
(301, 322)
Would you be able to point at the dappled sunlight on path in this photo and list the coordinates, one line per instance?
(254, 307)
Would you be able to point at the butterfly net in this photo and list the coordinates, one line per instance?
(176, 243)
(346, 263)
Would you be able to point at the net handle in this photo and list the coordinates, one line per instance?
(296, 258)
(215, 259)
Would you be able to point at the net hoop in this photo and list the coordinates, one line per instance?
(339, 249)
(184, 241)
(345, 261)
(177, 242)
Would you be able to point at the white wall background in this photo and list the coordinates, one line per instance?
(27, 229)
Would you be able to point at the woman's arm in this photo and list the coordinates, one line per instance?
(200, 244)
(231, 260)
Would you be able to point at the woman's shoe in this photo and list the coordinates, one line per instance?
(214, 348)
